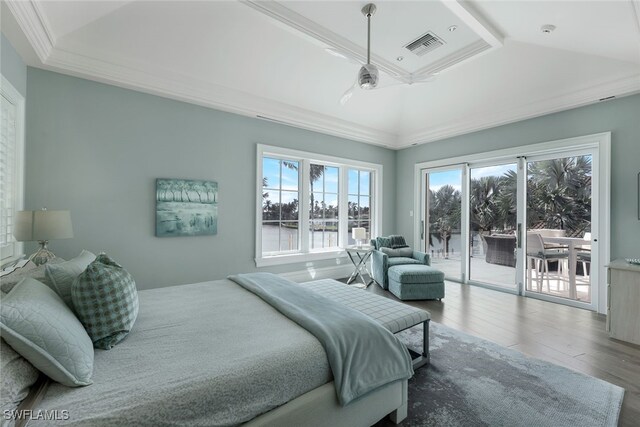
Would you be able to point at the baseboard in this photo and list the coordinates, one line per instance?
(334, 272)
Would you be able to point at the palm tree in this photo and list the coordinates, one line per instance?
(315, 173)
(482, 202)
(445, 208)
(559, 193)
(506, 201)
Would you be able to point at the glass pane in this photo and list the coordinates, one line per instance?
(353, 207)
(445, 224)
(365, 178)
(353, 181)
(492, 211)
(270, 172)
(323, 234)
(289, 200)
(317, 202)
(270, 236)
(331, 206)
(316, 174)
(270, 205)
(330, 179)
(289, 236)
(559, 227)
(289, 175)
(364, 208)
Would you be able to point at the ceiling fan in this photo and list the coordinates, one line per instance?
(369, 76)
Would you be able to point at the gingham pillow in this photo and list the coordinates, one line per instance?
(106, 301)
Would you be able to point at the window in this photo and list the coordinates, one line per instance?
(323, 207)
(11, 168)
(359, 201)
(280, 221)
(309, 203)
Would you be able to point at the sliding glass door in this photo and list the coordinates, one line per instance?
(442, 234)
(523, 224)
(560, 241)
(492, 224)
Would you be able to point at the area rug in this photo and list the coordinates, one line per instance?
(473, 382)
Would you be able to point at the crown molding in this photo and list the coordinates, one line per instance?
(619, 87)
(35, 27)
(188, 89)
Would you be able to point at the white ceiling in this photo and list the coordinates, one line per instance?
(268, 59)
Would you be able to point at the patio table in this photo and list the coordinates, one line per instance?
(572, 243)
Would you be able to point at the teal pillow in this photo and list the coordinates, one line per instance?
(61, 276)
(39, 326)
(106, 301)
(383, 242)
(400, 252)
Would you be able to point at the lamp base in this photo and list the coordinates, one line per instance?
(43, 255)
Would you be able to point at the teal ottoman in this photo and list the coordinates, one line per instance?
(416, 281)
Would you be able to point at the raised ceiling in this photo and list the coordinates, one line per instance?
(270, 59)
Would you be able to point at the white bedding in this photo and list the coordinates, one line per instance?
(204, 354)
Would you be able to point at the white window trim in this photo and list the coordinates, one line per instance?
(8, 91)
(305, 158)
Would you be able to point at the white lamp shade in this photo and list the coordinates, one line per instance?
(359, 233)
(42, 225)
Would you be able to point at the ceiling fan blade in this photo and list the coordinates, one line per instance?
(346, 96)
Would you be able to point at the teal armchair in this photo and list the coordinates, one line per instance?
(391, 251)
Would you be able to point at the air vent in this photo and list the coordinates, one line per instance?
(425, 44)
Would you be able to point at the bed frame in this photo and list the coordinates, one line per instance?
(319, 407)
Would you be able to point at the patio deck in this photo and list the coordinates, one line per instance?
(504, 276)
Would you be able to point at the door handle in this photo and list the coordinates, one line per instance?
(421, 230)
(519, 236)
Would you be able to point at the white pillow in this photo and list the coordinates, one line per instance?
(18, 375)
(60, 277)
(38, 325)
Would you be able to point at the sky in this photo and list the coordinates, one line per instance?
(454, 177)
(328, 183)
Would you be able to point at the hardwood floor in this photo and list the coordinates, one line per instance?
(563, 335)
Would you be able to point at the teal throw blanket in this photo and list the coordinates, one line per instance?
(362, 354)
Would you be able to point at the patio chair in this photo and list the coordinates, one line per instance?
(540, 257)
(583, 256)
(500, 249)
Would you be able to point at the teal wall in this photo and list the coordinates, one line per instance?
(97, 149)
(12, 67)
(620, 116)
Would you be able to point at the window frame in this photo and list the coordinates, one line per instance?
(305, 159)
(13, 96)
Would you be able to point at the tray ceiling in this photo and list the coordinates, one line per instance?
(270, 59)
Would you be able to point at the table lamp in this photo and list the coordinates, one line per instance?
(42, 225)
(359, 234)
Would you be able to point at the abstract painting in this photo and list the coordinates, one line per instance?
(186, 207)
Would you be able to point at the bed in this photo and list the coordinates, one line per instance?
(264, 369)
